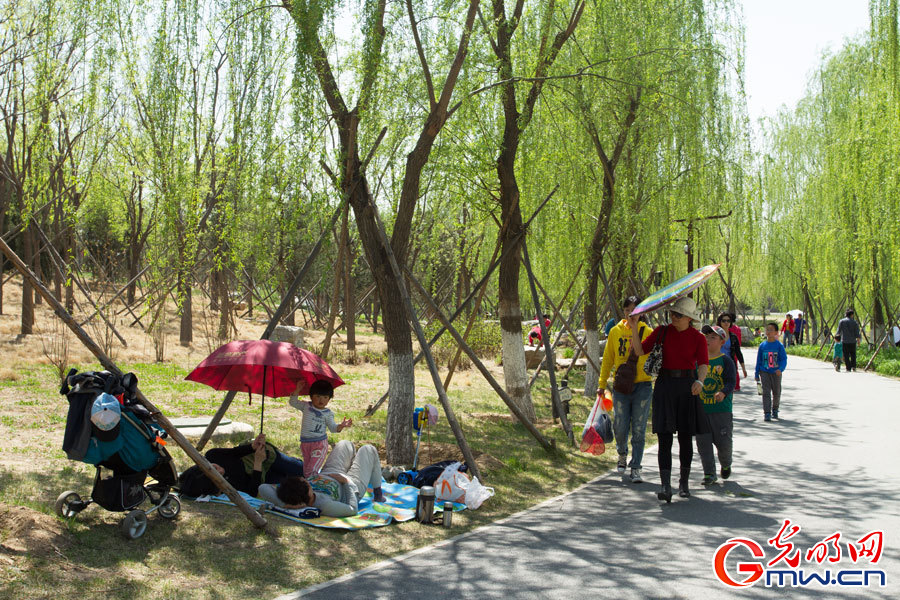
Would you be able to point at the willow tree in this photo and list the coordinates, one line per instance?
(649, 114)
(518, 110)
(310, 18)
(831, 159)
(47, 90)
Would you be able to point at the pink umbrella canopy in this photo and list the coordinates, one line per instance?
(263, 367)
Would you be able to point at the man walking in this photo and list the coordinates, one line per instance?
(848, 330)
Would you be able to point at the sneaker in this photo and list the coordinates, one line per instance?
(767, 417)
(636, 476)
(709, 479)
(774, 414)
(726, 472)
(623, 463)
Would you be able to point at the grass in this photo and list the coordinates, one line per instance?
(212, 551)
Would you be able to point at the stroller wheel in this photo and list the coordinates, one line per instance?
(134, 524)
(68, 504)
(170, 508)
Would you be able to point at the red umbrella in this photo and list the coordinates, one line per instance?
(263, 367)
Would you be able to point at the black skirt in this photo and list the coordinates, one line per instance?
(675, 409)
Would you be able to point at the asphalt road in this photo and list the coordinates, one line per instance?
(829, 465)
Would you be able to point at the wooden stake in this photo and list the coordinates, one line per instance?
(423, 341)
(475, 291)
(548, 445)
(548, 351)
(108, 364)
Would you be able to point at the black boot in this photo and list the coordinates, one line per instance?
(683, 489)
(665, 492)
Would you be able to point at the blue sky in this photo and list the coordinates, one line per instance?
(785, 41)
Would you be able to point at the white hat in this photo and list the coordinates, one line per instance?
(685, 306)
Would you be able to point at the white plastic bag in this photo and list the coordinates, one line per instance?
(450, 486)
(476, 494)
(453, 486)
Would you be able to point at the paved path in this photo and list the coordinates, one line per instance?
(830, 464)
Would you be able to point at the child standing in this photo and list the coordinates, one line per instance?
(717, 404)
(771, 360)
(837, 356)
(316, 417)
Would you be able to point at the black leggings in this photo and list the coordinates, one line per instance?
(685, 451)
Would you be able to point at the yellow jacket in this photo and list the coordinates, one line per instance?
(617, 346)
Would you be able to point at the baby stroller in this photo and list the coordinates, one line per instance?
(107, 427)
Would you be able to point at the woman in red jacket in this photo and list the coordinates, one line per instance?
(787, 330)
(677, 407)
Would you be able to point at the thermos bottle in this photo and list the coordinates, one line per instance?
(448, 514)
(425, 505)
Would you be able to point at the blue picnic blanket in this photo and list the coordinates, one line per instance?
(399, 505)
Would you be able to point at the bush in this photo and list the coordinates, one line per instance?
(886, 363)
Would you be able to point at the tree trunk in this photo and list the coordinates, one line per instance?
(224, 305)
(335, 293)
(27, 321)
(186, 331)
(36, 267)
(515, 375)
(877, 308)
(349, 296)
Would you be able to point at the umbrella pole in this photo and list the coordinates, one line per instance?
(109, 365)
(274, 320)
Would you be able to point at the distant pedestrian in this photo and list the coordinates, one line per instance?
(771, 360)
(848, 330)
(799, 329)
(787, 330)
(837, 353)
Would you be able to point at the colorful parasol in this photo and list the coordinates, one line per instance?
(675, 290)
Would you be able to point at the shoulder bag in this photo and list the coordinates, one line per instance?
(655, 358)
(626, 373)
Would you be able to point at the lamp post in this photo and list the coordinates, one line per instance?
(689, 240)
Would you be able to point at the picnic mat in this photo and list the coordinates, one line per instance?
(400, 506)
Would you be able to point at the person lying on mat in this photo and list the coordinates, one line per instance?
(337, 488)
(245, 467)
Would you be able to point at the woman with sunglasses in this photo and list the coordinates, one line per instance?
(677, 407)
(732, 346)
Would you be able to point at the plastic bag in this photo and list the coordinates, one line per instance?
(450, 486)
(476, 494)
(597, 430)
(455, 486)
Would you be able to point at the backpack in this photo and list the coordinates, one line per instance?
(626, 373)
